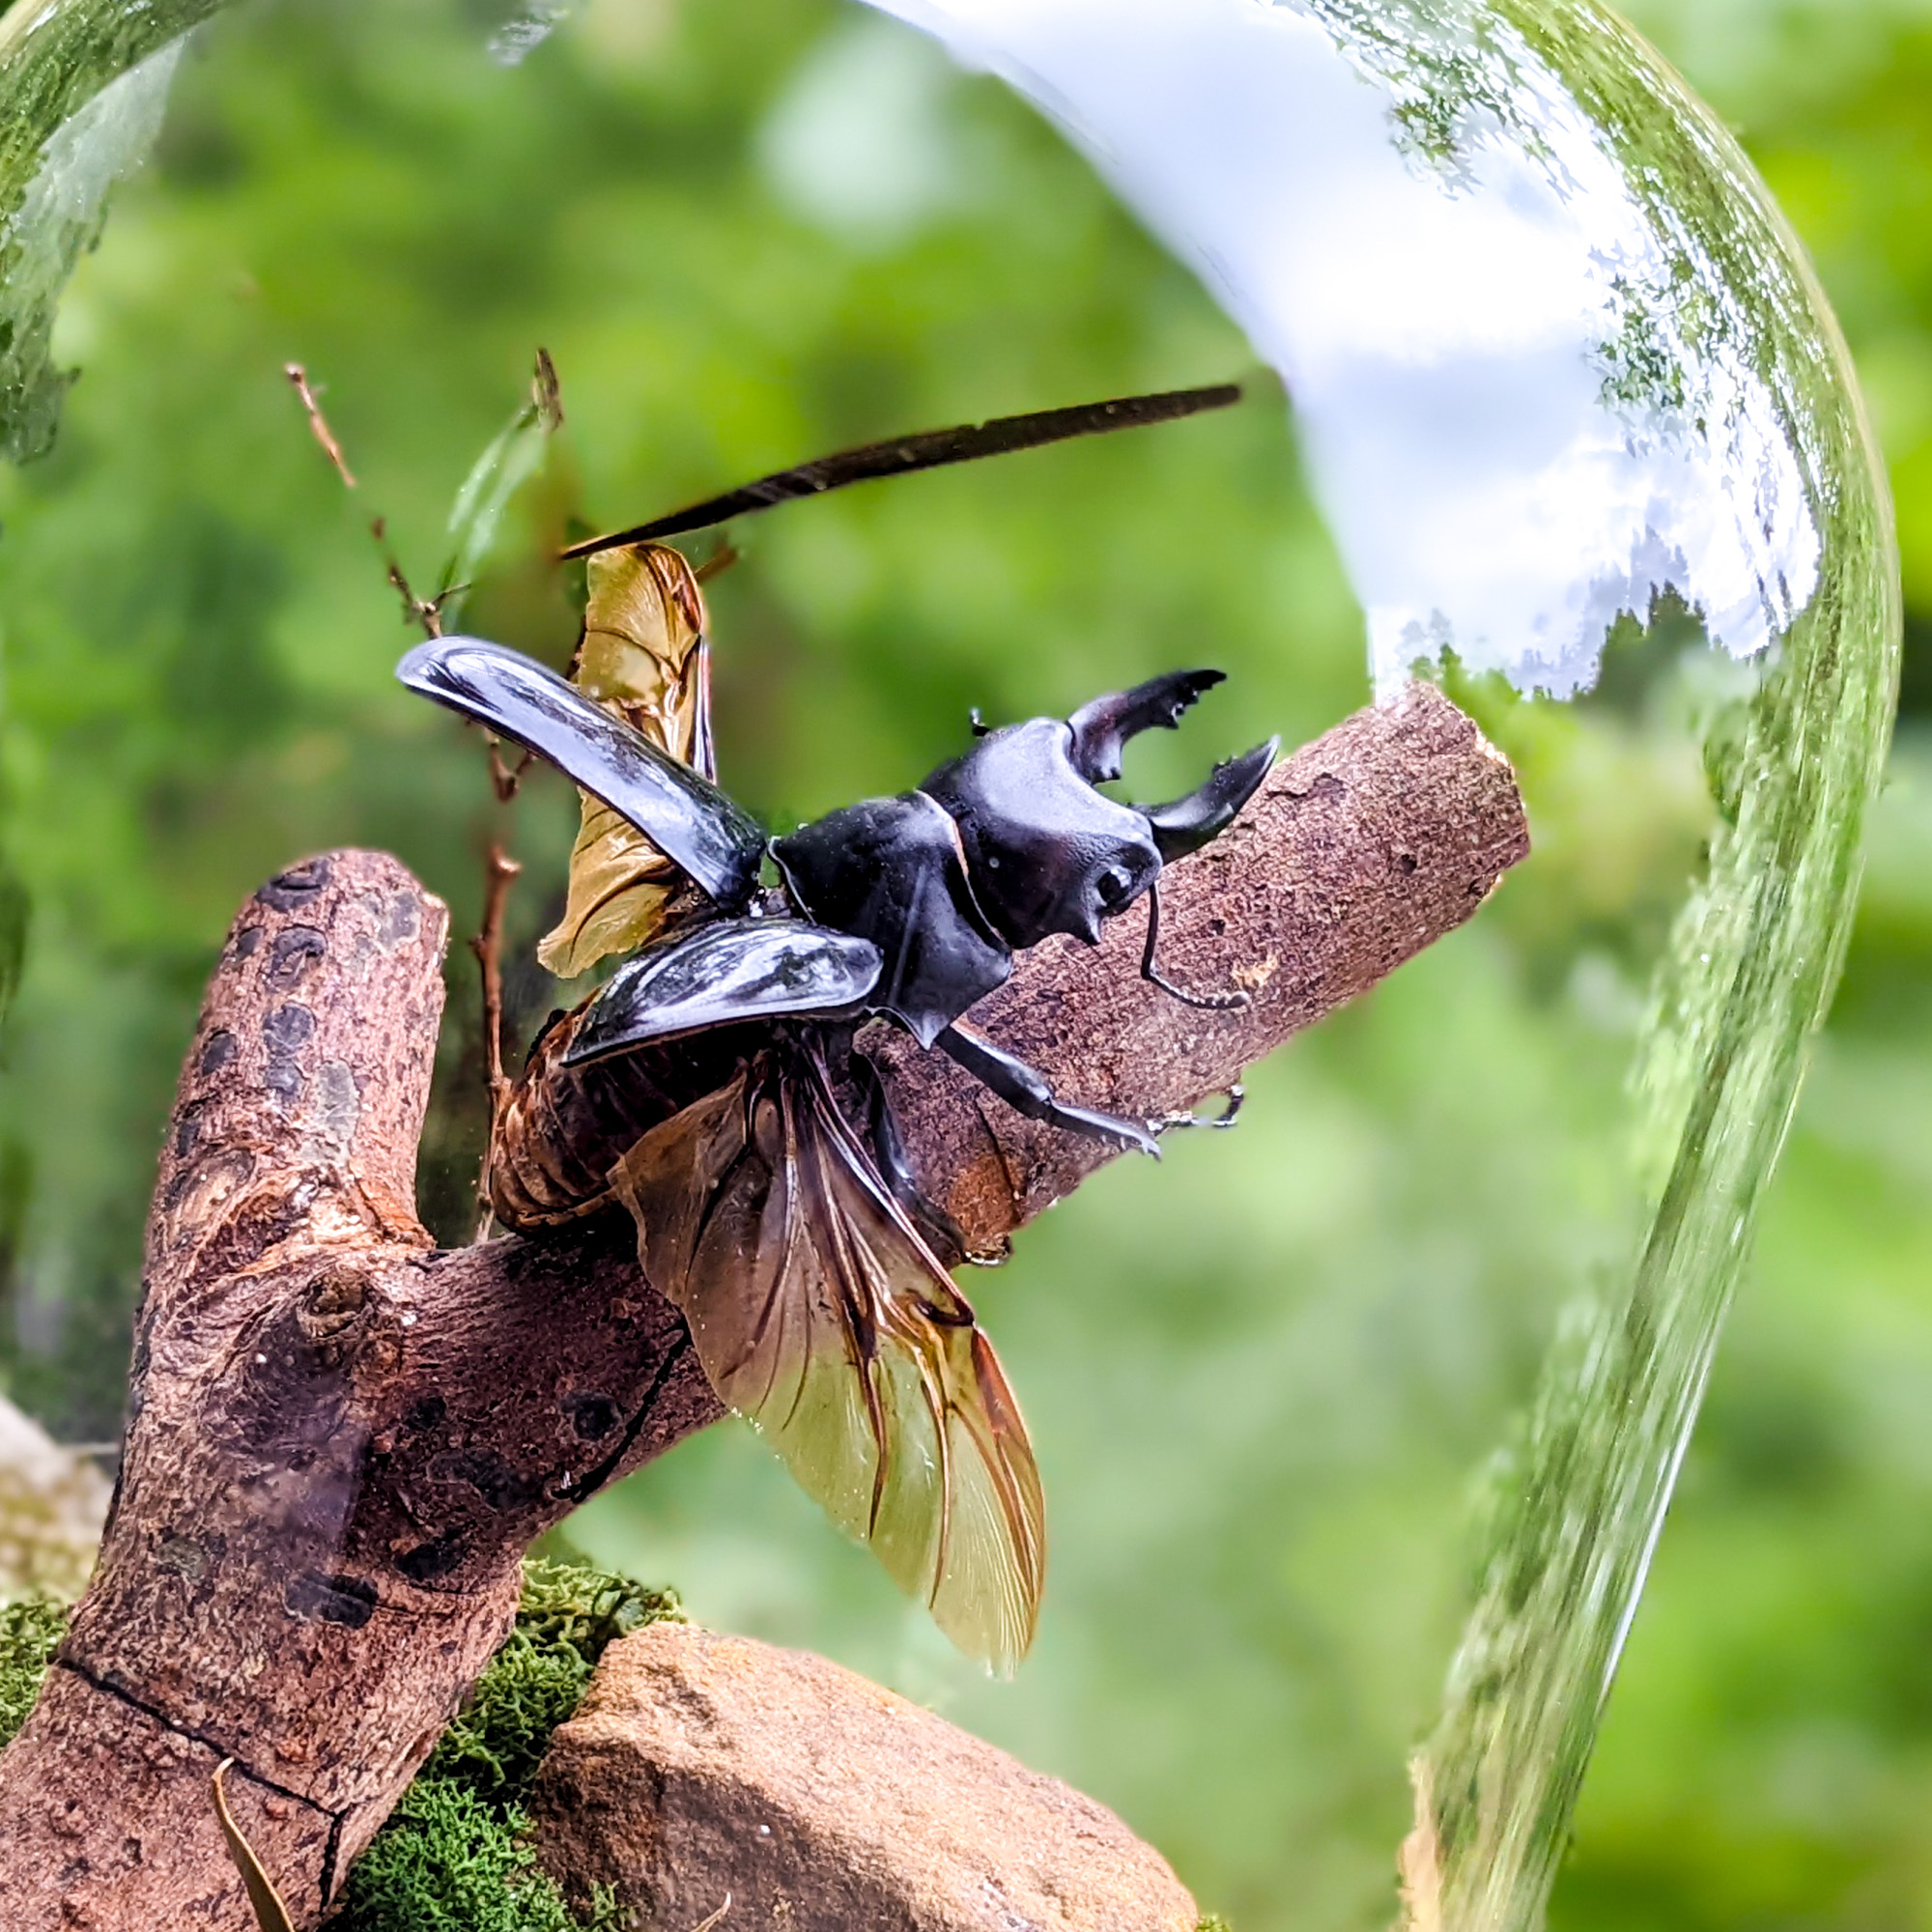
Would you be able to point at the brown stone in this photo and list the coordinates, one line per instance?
(702, 1766)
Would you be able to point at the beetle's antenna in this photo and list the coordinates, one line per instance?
(1211, 1003)
(931, 449)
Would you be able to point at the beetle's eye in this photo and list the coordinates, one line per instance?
(1114, 886)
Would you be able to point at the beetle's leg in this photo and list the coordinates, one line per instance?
(1028, 1091)
(1209, 1003)
(942, 1233)
(1236, 1097)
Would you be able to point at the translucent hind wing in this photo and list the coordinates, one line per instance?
(818, 1312)
(642, 657)
(714, 1199)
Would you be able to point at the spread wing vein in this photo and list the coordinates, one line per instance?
(818, 1312)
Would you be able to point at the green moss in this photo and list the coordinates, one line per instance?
(448, 1860)
(30, 1631)
(568, 1615)
(454, 1855)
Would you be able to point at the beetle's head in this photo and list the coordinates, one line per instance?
(1046, 850)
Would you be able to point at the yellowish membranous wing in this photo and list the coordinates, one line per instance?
(643, 658)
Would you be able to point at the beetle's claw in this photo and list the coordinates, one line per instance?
(1234, 1096)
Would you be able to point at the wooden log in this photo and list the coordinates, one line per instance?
(341, 1442)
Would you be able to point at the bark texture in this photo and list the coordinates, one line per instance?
(702, 1768)
(341, 1442)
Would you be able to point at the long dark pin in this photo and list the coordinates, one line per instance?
(933, 450)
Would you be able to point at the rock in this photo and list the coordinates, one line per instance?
(700, 1767)
(52, 1503)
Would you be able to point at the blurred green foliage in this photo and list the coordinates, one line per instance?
(1262, 1380)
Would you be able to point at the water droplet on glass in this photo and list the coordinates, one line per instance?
(520, 36)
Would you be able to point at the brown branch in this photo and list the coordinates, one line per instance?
(341, 1442)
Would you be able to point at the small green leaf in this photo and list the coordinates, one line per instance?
(514, 455)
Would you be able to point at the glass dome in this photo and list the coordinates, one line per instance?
(1568, 430)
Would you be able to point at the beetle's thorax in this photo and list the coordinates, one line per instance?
(893, 871)
(1045, 852)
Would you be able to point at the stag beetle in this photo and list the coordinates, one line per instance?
(811, 1270)
(911, 907)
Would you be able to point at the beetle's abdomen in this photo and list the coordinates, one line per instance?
(562, 1131)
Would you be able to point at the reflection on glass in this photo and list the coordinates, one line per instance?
(1535, 387)
(1556, 363)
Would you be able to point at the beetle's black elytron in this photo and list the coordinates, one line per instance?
(811, 1271)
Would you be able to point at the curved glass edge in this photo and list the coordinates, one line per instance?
(1753, 960)
(82, 85)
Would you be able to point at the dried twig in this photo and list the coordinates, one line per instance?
(318, 423)
(505, 778)
(500, 874)
(424, 612)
